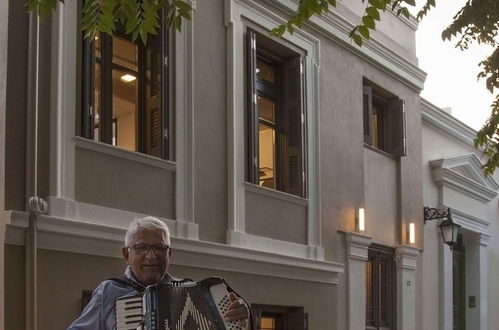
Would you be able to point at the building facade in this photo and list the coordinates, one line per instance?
(258, 152)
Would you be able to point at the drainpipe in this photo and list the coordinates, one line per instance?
(36, 205)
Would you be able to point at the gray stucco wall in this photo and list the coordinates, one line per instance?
(210, 121)
(122, 184)
(275, 218)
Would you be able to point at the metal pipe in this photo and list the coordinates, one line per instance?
(35, 205)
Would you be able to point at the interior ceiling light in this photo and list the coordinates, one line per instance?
(127, 78)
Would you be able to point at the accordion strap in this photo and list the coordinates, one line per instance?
(127, 282)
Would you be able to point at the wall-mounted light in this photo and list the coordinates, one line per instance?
(448, 228)
(127, 78)
(412, 233)
(361, 220)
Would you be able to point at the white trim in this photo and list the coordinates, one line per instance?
(470, 222)
(407, 257)
(235, 13)
(477, 187)
(184, 115)
(337, 28)
(63, 100)
(110, 150)
(90, 214)
(272, 193)
(443, 122)
(265, 244)
(358, 246)
(95, 239)
(64, 140)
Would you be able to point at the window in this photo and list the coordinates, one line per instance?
(384, 120)
(275, 117)
(268, 317)
(125, 92)
(380, 288)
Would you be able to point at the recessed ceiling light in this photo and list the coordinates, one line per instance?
(127, 78)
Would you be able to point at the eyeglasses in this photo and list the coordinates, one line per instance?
(159, 249)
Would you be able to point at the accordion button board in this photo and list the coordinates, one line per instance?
(177, 306)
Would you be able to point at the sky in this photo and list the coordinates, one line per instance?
(451, 73)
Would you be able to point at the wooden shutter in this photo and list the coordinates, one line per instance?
(252, 110)
(88, 94)
(367, 110)
(153, 121)
(396, 128)
(292, 125)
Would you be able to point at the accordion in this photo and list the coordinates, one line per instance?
(177, 306)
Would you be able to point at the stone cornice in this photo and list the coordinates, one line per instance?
(87, 238)
(407, 257)
(434, 116)
(357, 245)
(337, 28)
(474, 184)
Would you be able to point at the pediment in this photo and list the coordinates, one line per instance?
(464, 174)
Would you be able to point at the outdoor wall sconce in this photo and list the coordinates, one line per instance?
(412, 233)
(448, 228)
(361, 220)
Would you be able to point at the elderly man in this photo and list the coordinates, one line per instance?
(147, 252)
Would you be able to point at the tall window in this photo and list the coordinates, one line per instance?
(380, 289)
(269, 317)
(384, 120)
(125, 92)
(276, 117)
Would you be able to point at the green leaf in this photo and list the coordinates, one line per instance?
(369, 22)
(364, 31)
(410, 2)
(357, 39)
(373, 12)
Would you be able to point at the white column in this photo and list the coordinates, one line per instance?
(445, 271)
(407, 257)
(475, 247)
(357, 249)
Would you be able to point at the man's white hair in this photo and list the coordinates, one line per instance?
(148, 223)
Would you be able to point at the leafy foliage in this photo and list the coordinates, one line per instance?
(139, 17)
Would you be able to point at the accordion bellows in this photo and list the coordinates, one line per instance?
(177, 306)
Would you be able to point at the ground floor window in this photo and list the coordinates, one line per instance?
(271, 317)
(380, 288)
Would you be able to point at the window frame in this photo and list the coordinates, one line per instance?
(391, 136)
(375, 253)
(288, 316)
(106, 120)
(256, 87)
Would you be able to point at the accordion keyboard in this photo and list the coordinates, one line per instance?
(129, 313)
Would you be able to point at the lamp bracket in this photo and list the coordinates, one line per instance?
(431, 213)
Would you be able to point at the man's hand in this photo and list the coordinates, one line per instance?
(237, 311)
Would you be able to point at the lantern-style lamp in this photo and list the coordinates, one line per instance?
(448, 228)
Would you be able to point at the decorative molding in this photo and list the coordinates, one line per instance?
(271, 245)
(470, 222)
(475, 186)
(237, 13)
(482, 239)
(183, 73)
(434, 116)
(337, 28)
(358, 246)
(107, 149)
(407, 257)
(96, 239)
(272, 193)
(90, 214)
